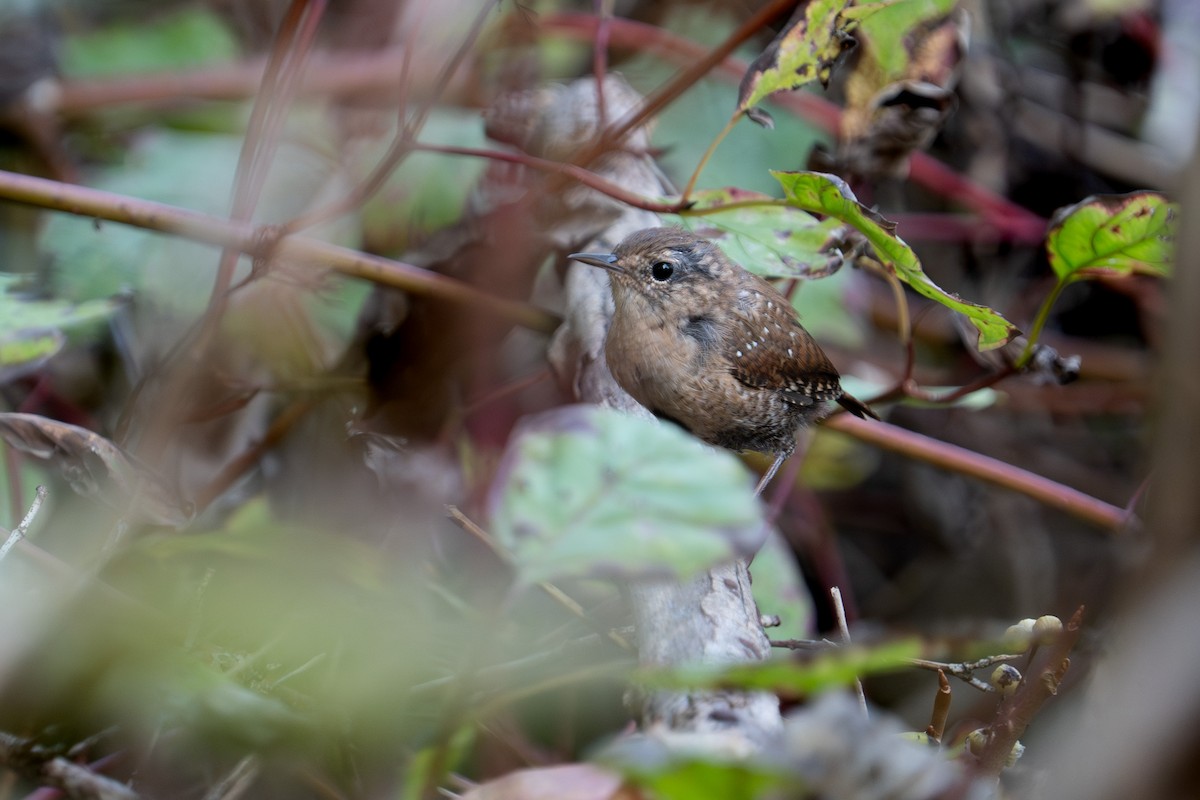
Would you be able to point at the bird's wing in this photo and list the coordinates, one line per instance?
(768, 349)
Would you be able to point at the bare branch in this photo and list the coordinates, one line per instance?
(43, 765)
(19, 532)
(840, 610)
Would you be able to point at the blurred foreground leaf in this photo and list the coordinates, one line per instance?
(262, 637)
(685, 778)
(828, 194)
(779, 589)
(586, 491)
(190, 37)
(830, 669)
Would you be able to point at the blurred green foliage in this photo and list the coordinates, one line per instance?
(182, 38)
(587, 491)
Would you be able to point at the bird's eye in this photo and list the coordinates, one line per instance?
(662, 270)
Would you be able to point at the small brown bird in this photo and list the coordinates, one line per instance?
(700, 341)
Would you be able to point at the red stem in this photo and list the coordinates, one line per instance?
(586, 177)
(965, 462)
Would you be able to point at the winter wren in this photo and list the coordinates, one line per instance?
(700, 341)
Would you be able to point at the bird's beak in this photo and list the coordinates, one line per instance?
(603, 260)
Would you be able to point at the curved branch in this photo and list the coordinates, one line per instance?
(577, 173)
(256, 240)
(987, 469)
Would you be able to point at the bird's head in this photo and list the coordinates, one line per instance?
(664, 266)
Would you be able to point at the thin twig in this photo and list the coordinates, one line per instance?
(698, 69)
(292, 44)
(237, 782)
(573, 171)
(19, 532)
(941, 709)
(604, 12)
(406, 132)
(839, 609)
(708, 154)
(808, 645)
(965, 670)
(241, 464)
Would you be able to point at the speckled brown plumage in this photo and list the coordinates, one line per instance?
(700, 341)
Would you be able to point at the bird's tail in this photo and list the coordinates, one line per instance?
(856, 407)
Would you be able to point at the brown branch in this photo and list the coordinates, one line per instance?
(293, 41)
(998, 473)
(583, 176)
(941, 709)
(326, 74)
(256, 241)
(965, 670)
(46, 766)
(234, 469)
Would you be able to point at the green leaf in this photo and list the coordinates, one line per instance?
(779, 589)
(832, 669)
(805, 50)
(430, 766)
(769, 238)
(1113, 235)
(586, 491)
(23, 312)
(26, 351)
(828, 194)
(686, 778)
(34, 330)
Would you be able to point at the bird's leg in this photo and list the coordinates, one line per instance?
(770, 473)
